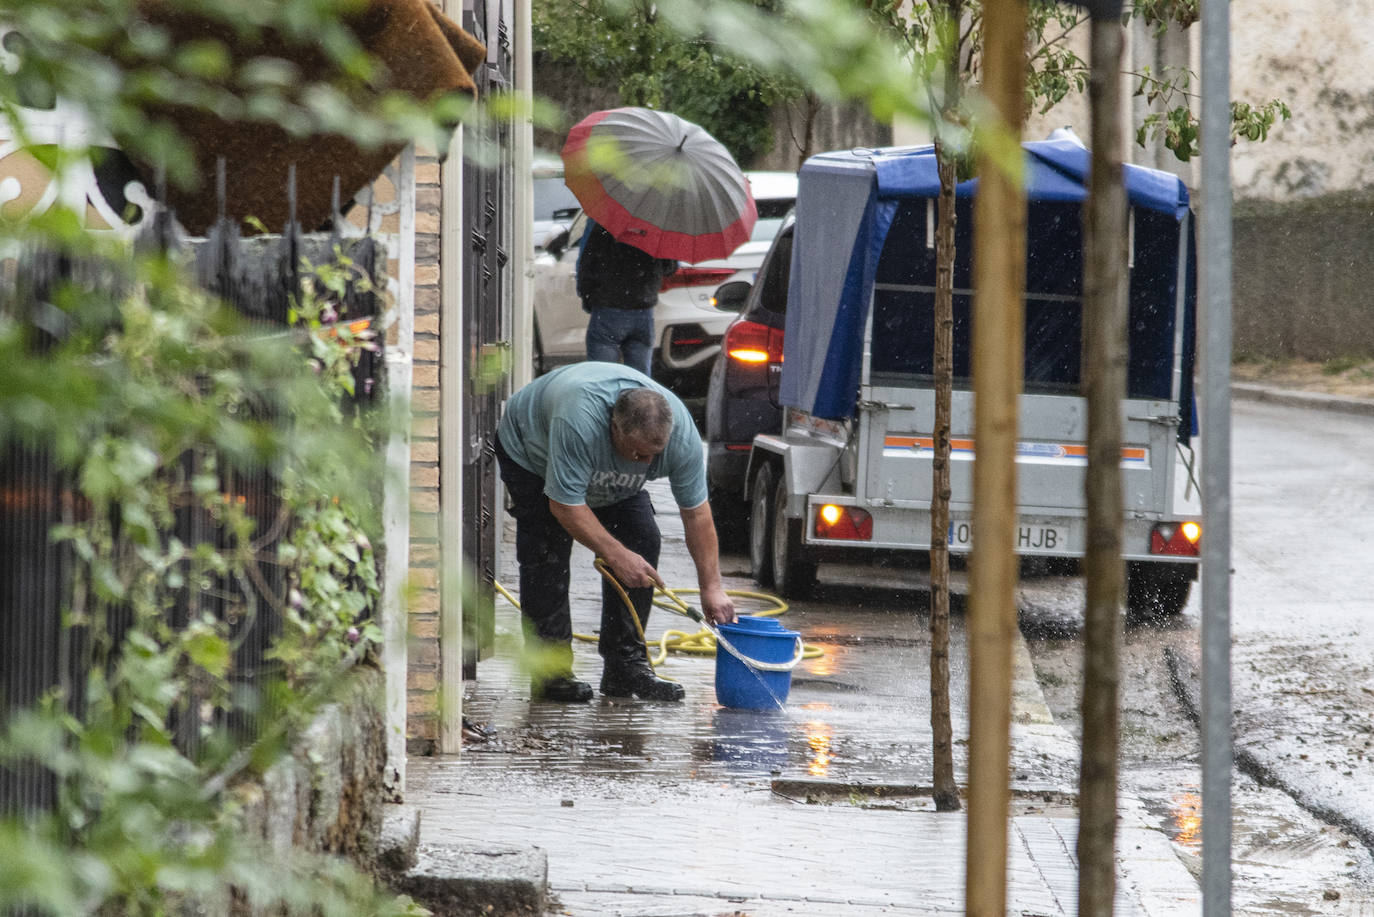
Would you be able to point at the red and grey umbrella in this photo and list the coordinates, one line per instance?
(659, 183)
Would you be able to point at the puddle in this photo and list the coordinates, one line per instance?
(1284, 861)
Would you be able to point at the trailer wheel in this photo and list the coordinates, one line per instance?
(793, 577)
(1157, 590)
(761, 526)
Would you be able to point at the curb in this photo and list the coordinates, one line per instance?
(1147, 863)
(1186, 674)
(1147, 866)
(457, 880)
(1321, 401)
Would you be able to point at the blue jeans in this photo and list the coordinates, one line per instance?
(622, 336)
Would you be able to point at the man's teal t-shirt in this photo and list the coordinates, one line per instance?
(566, 414)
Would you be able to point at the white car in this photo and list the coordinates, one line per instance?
(687, 325)
(554, 204)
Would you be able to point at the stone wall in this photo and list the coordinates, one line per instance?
(326, 796)
(1303, 272)
(834, 127)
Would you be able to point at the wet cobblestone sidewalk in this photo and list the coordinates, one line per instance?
(668, 809)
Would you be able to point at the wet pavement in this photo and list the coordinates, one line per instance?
(819, 808)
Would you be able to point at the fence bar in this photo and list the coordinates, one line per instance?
(1215, 280)
(33, 580)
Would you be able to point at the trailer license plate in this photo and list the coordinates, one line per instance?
(1029, 536)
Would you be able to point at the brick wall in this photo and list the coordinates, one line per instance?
(423, 680)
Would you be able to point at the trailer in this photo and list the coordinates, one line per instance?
(851, 471)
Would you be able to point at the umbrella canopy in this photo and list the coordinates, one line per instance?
(659, 183)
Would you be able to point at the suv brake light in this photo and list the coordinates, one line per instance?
(753, 342)
(696, 277)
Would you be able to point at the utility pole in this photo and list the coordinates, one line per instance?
(999, 257)
(1214, 306)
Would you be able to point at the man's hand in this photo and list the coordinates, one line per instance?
(700, 533)
(717, 605)
(631, 569)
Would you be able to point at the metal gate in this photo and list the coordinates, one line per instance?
(40, 649)
(486, 311)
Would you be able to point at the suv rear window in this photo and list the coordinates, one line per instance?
(777, 274)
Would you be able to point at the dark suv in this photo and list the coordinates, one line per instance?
(742, 397)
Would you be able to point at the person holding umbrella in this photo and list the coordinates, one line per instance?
(618, 285)
(575, 448)
(656, 190)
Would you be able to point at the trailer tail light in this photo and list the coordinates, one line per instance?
(753, 343)
(1176, 538)
(847, 523)
(696, 277)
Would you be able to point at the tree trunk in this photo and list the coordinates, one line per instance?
(1104, 369)
(946, 790)
(999, 259)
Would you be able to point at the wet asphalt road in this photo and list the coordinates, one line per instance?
(1302, 670)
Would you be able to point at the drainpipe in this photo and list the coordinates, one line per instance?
(396, 494)
(522, 318)
(451, 388)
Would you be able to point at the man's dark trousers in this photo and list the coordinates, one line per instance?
(543, 547)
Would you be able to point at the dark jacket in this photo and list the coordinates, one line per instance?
(614, 275)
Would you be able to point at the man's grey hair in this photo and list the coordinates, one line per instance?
(643, 412)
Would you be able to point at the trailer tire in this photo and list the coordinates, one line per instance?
(1156, 590)
(793, 576)
(761, 525)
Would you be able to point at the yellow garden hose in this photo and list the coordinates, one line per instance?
(700, 643)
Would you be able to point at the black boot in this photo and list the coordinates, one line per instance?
(551, 672)
(561, 688)
(637, 679)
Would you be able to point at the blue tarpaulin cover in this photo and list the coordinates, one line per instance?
(847, 205)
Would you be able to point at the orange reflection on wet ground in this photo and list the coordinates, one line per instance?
(1185, 811)
(818, 736)
(829, 662)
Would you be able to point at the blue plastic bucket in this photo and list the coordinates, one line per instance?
(742, 686)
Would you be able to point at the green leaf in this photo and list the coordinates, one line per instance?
(209, 651)
(205, 59)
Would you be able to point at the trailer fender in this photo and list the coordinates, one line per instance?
(805, 467)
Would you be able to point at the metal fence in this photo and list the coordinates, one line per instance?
(40, 650)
